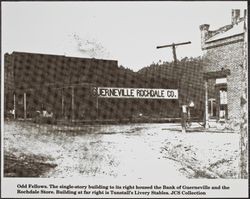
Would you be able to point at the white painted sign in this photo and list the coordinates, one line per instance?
(221, 81)
(144, 93)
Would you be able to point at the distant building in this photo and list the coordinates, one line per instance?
(222, 64)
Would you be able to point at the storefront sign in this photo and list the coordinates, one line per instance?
(145, 93)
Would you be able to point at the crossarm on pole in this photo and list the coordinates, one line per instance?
(177, 44)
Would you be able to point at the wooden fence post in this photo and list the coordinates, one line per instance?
(72, 104)
(24, 106)
(206, 104)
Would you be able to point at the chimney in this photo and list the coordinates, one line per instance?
(204, 28)
(235, 16)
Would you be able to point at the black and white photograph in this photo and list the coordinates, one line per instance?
(124, 99)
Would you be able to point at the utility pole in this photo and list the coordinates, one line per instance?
(173, 45)
(183, 108)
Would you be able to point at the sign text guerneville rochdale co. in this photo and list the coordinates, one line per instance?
(146, 93)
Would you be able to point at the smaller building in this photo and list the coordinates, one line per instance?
(223, 60)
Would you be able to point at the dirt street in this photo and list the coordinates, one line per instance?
(136, 151)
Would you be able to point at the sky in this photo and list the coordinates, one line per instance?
(125, 31)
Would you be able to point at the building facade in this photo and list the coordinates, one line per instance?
(64, 85)
(223, 57)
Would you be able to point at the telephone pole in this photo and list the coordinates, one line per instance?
(173, 45)
(183, 107)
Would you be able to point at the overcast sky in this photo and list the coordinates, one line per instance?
(125, 31)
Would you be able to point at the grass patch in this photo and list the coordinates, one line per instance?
(26, 165)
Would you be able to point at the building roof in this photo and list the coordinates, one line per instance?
(235, 30)
(54, 55)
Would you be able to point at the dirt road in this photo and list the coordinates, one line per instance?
(139, 151)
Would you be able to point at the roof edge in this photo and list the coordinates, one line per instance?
(19, 52)
(231, 36)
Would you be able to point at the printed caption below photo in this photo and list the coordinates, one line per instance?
(116, 190)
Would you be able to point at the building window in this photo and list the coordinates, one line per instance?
(223, 97)
(223, 104)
